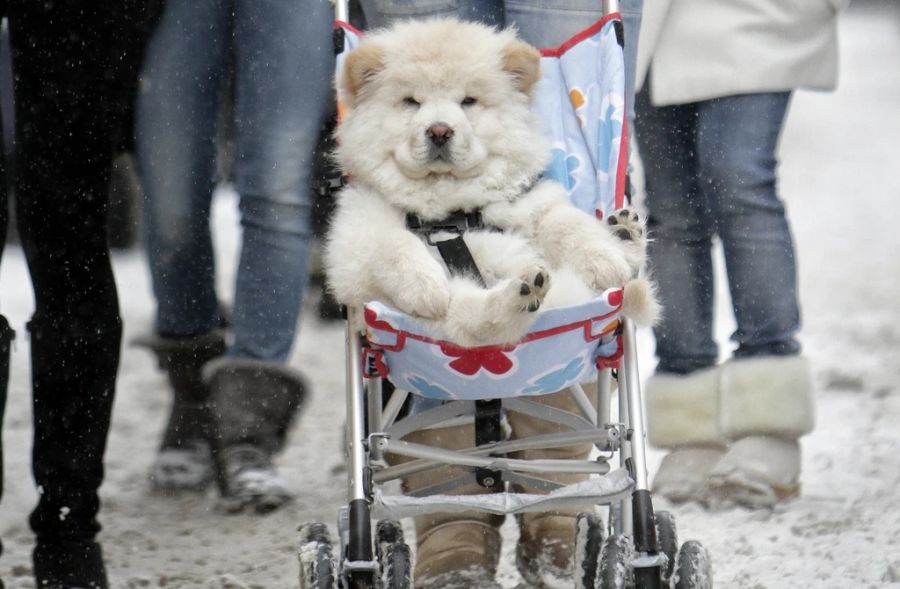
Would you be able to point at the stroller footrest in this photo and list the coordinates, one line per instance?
(454, 458)
(605, 489)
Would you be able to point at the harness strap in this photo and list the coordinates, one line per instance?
(459, 259)
(453, 250)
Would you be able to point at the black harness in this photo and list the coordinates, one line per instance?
(453, 250)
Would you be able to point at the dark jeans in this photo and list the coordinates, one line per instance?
(76, 67)
(710, 171)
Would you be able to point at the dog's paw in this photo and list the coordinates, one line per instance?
(531, 288)
(626, 224)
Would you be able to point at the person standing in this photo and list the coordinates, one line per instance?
(76, 69)
(233, 401)
(709, 115)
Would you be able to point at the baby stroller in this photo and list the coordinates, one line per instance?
(402, 379)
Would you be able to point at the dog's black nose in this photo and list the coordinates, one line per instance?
(439, 134)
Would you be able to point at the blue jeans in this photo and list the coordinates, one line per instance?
(710, 171)
(284, 62)
(542, 23)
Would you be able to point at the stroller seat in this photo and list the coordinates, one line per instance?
(563, 347)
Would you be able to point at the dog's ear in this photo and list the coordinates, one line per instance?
(524, 62)
(361, 65)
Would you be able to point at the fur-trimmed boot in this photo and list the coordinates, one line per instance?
(253, 405)
(766, 405)
(545, 553)
(453, 550)
(184, 459)
(683, 416)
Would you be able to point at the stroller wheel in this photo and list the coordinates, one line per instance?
(667, 536)
(393, 555)
(388, 531)
(693, 568)
(588, 539)
(614, 570)
(315, 555)
(395, 566)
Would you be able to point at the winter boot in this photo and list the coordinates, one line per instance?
(184, 460)
(453, 550)
(73, 376)
(545, 552)
(682, 415)
(253, 404)
(766, 405)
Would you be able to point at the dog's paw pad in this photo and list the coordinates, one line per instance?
(532, 289)
(626, 224)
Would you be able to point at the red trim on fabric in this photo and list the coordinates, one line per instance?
(613, 361)
(622, 168)
(373, 363)
(590, 336)
(580, 36)
(339, 24)
(371, 318)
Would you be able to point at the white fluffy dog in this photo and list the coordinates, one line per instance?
(439, 121)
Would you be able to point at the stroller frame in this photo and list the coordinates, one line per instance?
(634, 539)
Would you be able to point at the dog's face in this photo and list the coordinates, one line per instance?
(440, 106)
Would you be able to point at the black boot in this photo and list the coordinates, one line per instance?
(253, 405)
(73, 375)
(184, 461)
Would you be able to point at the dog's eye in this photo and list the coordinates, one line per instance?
(469, 101)
(410, 101)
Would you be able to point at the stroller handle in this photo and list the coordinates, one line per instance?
(341, 10)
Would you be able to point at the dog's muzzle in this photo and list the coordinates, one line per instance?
(439, 136)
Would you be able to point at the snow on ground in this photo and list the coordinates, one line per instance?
(841, 181)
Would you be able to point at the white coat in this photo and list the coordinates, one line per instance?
(702, 49)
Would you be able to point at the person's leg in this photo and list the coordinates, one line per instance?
(66, 121)
(549, 24)
(182, 84)
(765, 399)
(736, 141)
(680, 229)
(381, 13)
(285, 64)
(682, 396)
(545, 553)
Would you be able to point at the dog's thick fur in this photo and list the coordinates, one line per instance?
(439, 120)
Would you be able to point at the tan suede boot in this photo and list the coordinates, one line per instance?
(546, 549)
(683, 416)
(766, 406)
(453, 550)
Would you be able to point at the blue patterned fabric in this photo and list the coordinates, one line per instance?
(581, 102)
(560, 350)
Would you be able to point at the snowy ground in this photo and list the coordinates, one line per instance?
(841, 181)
